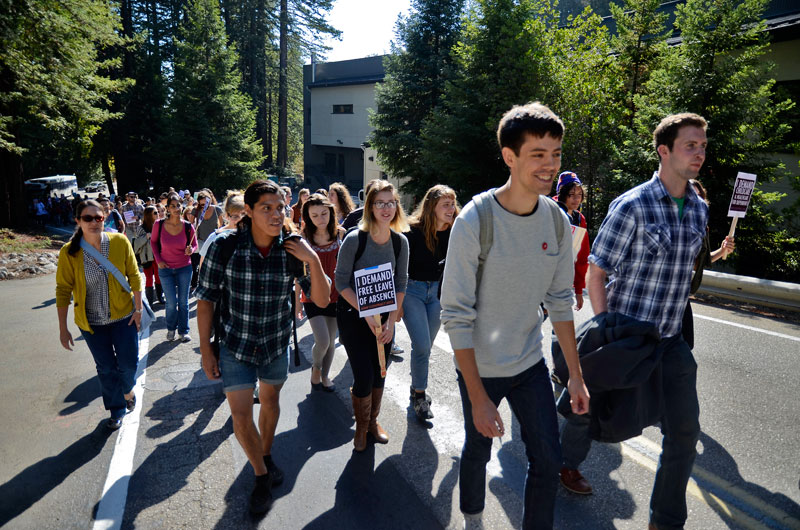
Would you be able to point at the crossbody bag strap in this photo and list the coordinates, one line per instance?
(106, 264)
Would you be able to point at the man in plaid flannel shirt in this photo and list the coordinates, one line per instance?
(641, 266)
(254, 289)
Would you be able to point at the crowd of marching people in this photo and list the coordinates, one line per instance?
(257, 262)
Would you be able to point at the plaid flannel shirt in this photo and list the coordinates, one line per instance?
(255, 293)
(649, 253)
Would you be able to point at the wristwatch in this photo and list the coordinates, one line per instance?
(137, 310)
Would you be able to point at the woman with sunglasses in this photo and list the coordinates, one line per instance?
(381, 229)
(108, 316)
(173, 241)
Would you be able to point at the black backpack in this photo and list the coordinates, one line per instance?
(228, 249)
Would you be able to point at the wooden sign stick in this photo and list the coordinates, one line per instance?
(731, 232)
(381, 348)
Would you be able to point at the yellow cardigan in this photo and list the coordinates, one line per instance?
(71, 280)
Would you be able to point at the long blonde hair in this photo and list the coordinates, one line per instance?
(399, 222)
(424, 216)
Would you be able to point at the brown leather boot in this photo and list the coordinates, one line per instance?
(573, 481)
(375, 429)
(361, 410)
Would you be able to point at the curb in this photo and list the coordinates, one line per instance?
(782, 295)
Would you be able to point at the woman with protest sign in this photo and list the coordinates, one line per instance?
(323, 234)
(427, 242)
(108, 315)
(366, 256)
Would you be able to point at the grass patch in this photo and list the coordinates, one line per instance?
(13, 241)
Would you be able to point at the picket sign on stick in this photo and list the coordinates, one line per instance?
(375, 294)
(740, 200)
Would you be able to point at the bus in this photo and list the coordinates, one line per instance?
(52, 186)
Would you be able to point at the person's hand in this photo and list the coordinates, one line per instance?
(579, 396)
(578, 301)
(66, 339)
(399, 314)
(487, 419)
(300, 249)
(209, 361)
(188, 250)
(384, 333)
(162, 265)
(300, 313)
(136, 318)
(728, 246)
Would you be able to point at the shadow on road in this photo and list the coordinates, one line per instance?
(36, 481)
(81, 396)
(717, 459)
(46, 303)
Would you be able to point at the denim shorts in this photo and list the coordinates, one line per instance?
(239, 375)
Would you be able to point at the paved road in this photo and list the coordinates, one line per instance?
(187, 470)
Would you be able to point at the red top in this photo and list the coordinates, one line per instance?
(582, 263)
(173, 248)
(327, 256)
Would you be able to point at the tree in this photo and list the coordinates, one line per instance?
(503, 58)
(416, 72)
(212, 122)
(51, 82)
(718, 71)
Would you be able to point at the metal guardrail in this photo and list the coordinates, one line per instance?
(782, 295)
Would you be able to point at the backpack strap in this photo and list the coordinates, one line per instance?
(160, 224)
(187, 229)
(558, 223)
(483, 203)
(396, 245)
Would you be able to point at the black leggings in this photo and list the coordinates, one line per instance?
(362, 351)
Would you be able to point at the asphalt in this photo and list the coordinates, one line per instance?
(188, 470)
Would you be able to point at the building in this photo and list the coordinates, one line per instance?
(337, 100)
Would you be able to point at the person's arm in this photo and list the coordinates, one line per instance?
(485, 415)
(727, 247)
(63, 330)
(155, 237)
(320, 291)
(209, 292)
(64, 287)
(597, 289)
(205, 319)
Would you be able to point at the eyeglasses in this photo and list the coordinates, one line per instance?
(90, 218)
(380, 205)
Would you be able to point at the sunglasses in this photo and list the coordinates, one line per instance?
(90, 218)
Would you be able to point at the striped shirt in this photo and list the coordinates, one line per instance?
(648, 252)
(255, 293)
(98, 307)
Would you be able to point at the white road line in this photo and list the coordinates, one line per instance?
(750, 328)
(115, 491)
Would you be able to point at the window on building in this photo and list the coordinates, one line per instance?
(342, 109)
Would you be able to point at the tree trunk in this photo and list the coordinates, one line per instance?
(107, 175)
(13, 204)
(283, 88)
(268, 146)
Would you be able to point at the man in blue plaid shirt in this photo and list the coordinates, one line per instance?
(641, 266)
(254, 287)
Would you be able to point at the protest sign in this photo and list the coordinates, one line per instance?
(375, 290)
(578, 233)
(129, 216)
(742, 191)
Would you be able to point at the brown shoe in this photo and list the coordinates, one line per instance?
(375, 429)
(361, 410)
(573, 481)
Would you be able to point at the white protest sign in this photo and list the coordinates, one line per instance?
(375, 292)
(129, 216)
(742, 192)
(578, 233)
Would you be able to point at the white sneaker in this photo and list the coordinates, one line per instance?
(473, 521)
(186, 338)
(171, 335)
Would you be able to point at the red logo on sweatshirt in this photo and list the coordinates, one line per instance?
(544, 245)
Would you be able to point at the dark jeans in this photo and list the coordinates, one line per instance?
(681, 429)
(530, 396)
(361, 347)
(115, 348)
(687, 326)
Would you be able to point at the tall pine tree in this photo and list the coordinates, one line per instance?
(212, 122)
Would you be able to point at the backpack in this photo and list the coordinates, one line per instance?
(229, 245)
(362, 245)
(186, 228)
(483, 203)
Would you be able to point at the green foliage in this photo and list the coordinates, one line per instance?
(212, 122)
(416, 73)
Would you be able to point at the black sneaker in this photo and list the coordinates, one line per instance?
(413, 395)
(422, 408)
(273, 471)
(261, 498)
(114, 423)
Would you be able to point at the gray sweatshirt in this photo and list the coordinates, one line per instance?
(374, 254)
(502, 321)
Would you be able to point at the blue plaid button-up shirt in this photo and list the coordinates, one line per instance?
(648, 253)
(255, 293)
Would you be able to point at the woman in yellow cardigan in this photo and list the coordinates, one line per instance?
(108, 316)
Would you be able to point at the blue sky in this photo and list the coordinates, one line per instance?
(367, 27)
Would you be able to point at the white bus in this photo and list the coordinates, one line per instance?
(52, 186)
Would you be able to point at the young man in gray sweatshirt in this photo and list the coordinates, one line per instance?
(494, 321)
